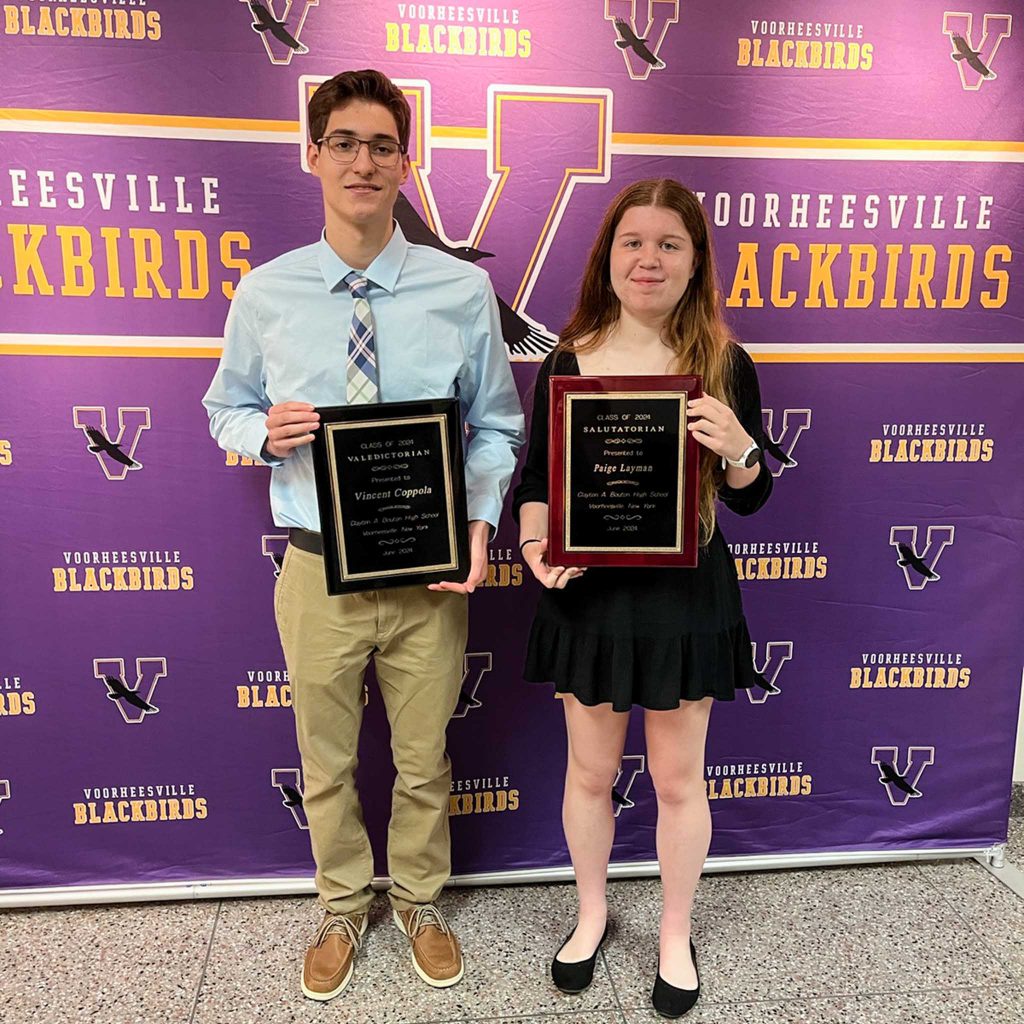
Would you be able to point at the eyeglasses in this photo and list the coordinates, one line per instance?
(345, 148)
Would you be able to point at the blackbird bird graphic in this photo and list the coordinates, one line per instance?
(973, 57)
(292, 797)
(415, 229)
(908, 556)
(468, 701)
(117, 690)
(628, 40)
(889, 774)
(521, 337)
(266, 22)
(101, 443)
(770, 446)
(620, 800)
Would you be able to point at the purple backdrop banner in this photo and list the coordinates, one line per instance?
(864, 179)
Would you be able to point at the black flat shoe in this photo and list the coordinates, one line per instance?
(670, 1001)
(574, 978)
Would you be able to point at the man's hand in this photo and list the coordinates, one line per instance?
(479, 533)
(289, 426)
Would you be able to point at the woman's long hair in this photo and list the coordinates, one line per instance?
(696, 330)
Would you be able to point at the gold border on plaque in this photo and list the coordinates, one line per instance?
(439, 419)
(681, 398)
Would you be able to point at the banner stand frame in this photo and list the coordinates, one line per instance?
(1010, 875)
(990, 857)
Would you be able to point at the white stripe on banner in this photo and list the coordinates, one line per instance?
(110, 344)
(211, 347)
(226, 129)
(885, 352)
(811, 152)
(149, 131)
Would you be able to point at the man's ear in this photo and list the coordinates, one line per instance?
(313, 158)
(406, 164)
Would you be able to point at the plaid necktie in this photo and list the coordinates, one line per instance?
(362, 356)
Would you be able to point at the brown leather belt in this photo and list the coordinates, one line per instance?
(306, 540)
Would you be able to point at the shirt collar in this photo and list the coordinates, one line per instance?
(383, 271)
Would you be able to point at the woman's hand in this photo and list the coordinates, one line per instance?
(554, 577)
(715, 425)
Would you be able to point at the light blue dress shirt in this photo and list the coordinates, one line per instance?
(438, 335)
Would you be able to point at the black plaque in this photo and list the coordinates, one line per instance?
(392, 496)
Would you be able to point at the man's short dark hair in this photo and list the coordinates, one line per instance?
(368, 85)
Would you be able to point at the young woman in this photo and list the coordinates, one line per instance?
(667, 640)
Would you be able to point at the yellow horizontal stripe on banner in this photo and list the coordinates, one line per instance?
(135, 352)
(98, 117)
(455, 132)
(214, 352)
(887, 357)
(801, 142)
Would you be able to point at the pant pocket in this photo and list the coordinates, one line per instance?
(279, 585)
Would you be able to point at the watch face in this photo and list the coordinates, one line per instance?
(752, 456)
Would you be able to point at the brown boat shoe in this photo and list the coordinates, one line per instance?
(330, 960)
(436, 954)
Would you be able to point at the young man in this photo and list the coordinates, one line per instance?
(363, 316)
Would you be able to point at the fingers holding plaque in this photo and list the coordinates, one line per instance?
(623, 471)
(391, 490)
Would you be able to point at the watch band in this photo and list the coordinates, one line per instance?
(743, 462)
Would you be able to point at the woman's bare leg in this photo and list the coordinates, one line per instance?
(675, 758)
(596, 736)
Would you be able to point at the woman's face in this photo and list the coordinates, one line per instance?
(652, 261)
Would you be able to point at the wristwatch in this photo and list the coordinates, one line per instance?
(747, 460)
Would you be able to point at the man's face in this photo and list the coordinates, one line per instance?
(359, 193)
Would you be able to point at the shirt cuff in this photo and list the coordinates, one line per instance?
(255, 439)
(488, 510)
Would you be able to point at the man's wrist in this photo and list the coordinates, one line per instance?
(484, 526)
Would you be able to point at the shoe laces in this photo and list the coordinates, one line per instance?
(423, 917)
(341, 923)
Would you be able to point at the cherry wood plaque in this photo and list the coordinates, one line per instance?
(623, 483)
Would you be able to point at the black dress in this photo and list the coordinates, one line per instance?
(654, 636)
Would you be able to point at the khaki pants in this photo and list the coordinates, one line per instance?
(417, 638)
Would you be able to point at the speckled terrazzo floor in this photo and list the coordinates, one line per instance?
(910, 943)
